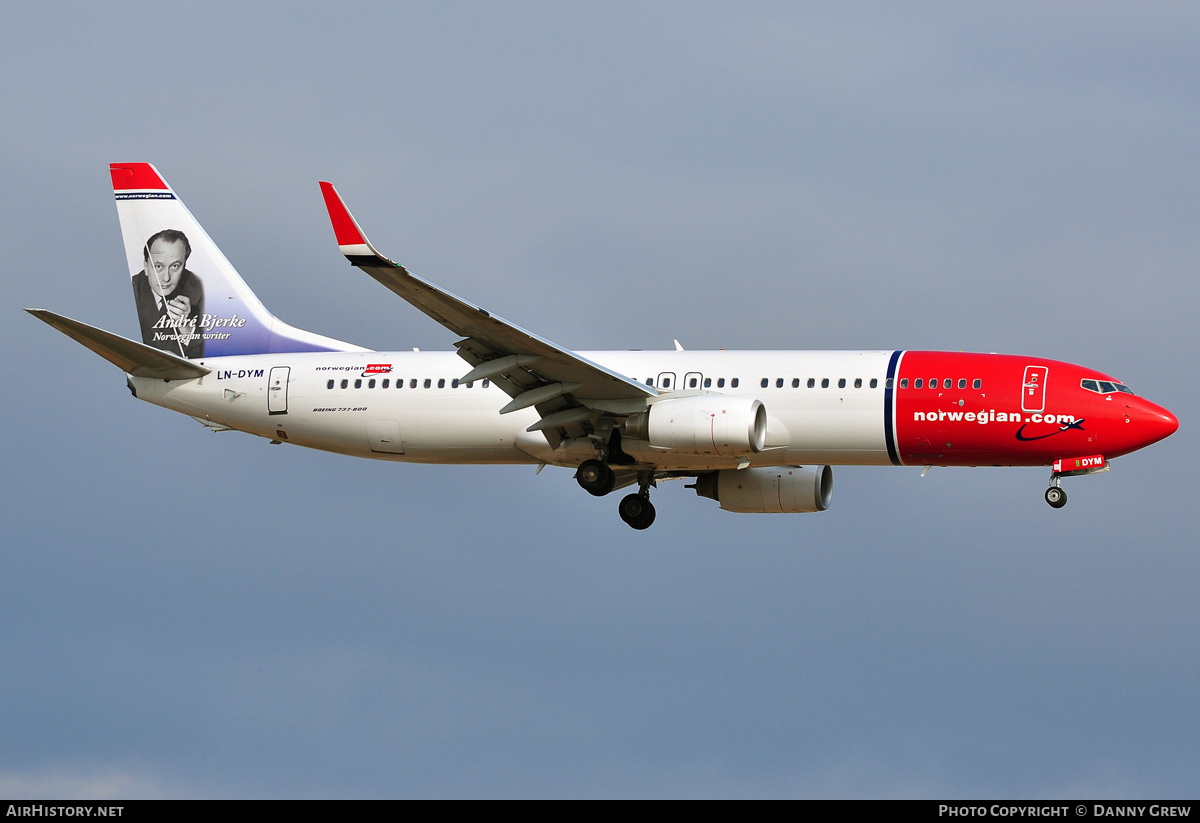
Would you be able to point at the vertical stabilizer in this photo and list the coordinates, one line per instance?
(190, 300)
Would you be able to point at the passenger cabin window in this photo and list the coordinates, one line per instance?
(358, 384)
(412, 384)
(371, 383)
(977, 383)
(875, 382)
(858, 382)
(795, 382)
(441, 382)
(824, 382)
(962, 382)
(720, 382)
(692, 383)
(734, 383)
(428, 382)
(345, 383)
(917, 383)
(707, 382)
(329, 385)
(764, 382)
(812, 382)
(904, 383)
(779, 382)
(386, 382)
(841, 382)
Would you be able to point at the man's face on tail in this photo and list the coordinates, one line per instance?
(165, 267)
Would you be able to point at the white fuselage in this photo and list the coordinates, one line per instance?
(333, 401)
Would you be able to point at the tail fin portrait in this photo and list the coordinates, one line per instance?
(190, 300)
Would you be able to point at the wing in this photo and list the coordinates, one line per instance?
(569, 391)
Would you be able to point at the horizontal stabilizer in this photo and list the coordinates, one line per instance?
(127, 355)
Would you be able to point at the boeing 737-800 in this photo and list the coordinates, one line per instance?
(757, 431)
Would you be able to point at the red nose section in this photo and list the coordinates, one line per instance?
(1157, 423)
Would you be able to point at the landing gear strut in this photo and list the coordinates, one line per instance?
(636, 509)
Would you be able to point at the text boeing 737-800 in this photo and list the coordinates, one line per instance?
(756, 430)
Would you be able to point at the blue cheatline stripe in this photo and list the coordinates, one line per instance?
(889, 408)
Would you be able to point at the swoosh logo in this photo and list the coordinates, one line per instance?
(1075, 424)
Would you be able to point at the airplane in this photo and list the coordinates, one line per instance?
(756, 431)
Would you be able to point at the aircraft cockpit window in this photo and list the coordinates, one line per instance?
(1105, 386)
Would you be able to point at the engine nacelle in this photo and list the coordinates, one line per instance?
(721, 425)
(782, 489)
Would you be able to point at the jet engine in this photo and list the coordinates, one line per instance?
(782, 489)
(708, 424)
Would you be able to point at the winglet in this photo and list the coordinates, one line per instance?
(350, 238)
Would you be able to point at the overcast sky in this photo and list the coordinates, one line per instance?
(193, 614)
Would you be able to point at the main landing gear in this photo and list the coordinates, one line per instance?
(595, 477)
(598, 479)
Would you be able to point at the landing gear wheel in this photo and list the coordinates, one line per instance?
(595, 478)
(637, 511)
(1056, 497)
